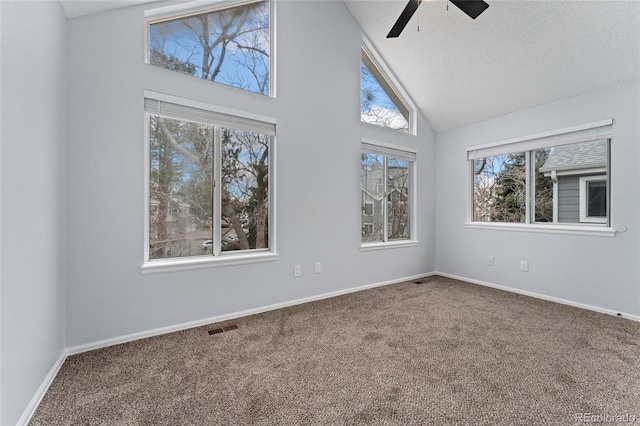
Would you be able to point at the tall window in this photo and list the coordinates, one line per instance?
(229, 45)
(209, 177)
(380, 103)
(386, 180)
(561, 178)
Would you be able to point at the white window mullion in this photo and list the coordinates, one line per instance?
(411, 198)
(385, 202)
(529, 187)
(608, 177)
(556, 194)
(217, 191)
(147, 191)
(272, 192)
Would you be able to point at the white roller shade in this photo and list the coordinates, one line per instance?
(214, 118)
(370, 147)
(587, 132)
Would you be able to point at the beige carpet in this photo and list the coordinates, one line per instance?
(440, 352)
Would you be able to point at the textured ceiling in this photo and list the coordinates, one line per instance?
(515, 55)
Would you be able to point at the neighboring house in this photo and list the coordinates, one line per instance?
(579, 175)
(374, 194)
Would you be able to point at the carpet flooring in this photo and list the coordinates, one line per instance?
(442, 352)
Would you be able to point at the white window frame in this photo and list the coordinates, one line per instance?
(150, 266)
(400, 152)
(386, 78)
(183, 10)
(581, 133)
(584, 198)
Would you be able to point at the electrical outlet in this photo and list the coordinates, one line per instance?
(297, 270)
(317, 267)
(524, 266)
(490, 260)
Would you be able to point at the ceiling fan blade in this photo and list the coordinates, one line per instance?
(402, 21)
(473, 8)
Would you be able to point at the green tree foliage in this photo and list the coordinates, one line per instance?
(543, 189)
(500, 188)
(510, 190)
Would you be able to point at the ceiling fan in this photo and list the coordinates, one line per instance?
(473, 8)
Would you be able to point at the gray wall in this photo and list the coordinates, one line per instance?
(569, 199)
(318, 176)
(599, 271)
(32, 199)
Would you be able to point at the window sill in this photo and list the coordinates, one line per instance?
(590, 230)
(200, 262)
(388, 245)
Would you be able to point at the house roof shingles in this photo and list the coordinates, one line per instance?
(577, 156)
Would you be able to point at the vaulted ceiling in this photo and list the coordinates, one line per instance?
(517, 54)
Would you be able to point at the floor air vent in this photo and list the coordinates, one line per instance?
(222, 329)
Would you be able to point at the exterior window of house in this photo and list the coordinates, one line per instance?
(386, 209)
(229, 44)
(593, 199)
(380, 102)
(557, 178)
(209, 177)
(368, 207)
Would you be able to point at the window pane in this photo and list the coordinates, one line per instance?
(572, 164)
(180, 204)
(543, 207)
(372, 189)
(597, 199)
(499, 188)
(397, 199)
(376, 107)
(245, 190)
(229, 46)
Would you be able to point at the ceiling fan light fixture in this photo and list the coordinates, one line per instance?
(473, 8)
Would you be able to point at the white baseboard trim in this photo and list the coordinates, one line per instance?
(542, 296)
(219, 318)
(42, 390)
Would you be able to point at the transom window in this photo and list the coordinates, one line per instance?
(386, 181)
(380, 103)
(554, 179)
(209, 182)
(229, 45)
